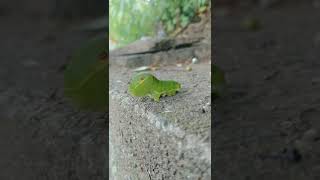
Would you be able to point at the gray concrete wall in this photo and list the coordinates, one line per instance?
(166, 140)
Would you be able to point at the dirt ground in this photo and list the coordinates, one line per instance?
(268, 127)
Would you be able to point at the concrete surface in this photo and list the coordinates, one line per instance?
(43, 137)
(273, 108)
(166, 140)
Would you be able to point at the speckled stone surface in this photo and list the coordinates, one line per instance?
(166, 140)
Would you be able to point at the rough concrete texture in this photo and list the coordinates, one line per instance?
(268, 125)
(166, 140)
(43, 137)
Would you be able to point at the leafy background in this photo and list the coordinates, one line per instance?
(130, 20)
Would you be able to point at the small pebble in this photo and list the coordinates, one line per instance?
(188, 68)
(194, 60)
(142, 68)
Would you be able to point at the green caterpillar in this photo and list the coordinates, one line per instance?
(145, 84)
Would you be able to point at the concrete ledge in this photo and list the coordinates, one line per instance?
(144, 57)
(166, 140)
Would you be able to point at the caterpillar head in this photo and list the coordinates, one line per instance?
(141, 84)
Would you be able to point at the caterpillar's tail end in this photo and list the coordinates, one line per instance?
(178, 87)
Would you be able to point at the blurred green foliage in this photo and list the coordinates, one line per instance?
(130, 20)
(85, 79)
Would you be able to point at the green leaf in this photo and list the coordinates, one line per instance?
(174, 21)
(186, 7)
(170, 26)
(202, 2)
(184, 21)
(202, 9)
(86, 76)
